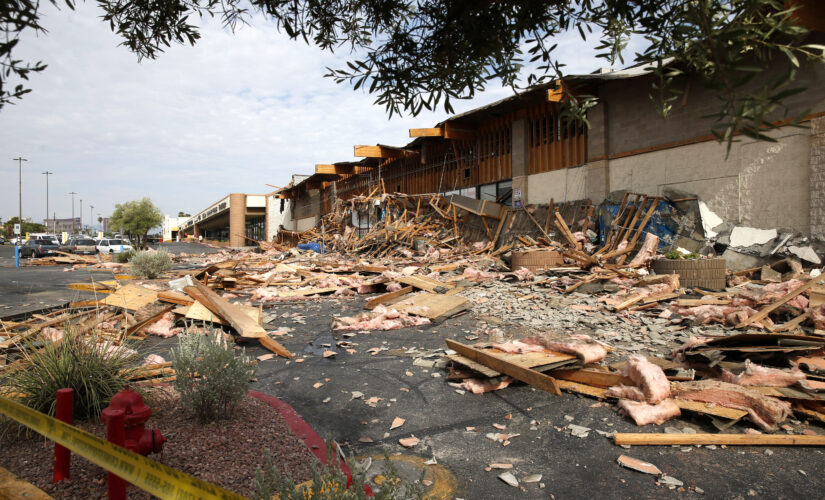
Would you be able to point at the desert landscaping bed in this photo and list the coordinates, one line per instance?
(224, 453)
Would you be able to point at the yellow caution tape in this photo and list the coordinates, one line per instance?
(148, 475)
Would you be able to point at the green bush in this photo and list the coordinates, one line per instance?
(124, 257)
(95, 370)
(330, 483)
(222, 378)
(676, 255)
(150, 264)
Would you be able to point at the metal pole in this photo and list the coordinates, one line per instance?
(72, 193)
(20, 161)
(62, 455)
(81, 215)
(116, 434)
(47, 174)
(91, 219)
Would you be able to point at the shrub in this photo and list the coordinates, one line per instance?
(95, 370)
(223, 378)
(150, 264)
(330, 483)
(124, 257)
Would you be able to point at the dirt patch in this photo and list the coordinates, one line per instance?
(223, 453)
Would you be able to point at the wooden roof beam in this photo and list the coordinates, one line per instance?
(451, 131)
(426, 132)
(335, 169)
(378, 152)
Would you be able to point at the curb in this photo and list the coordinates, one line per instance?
(311, 439)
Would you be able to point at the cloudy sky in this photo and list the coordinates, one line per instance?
(231, 114)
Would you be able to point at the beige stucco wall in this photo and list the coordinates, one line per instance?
(561, 185)
(306, 223)
(761, 184)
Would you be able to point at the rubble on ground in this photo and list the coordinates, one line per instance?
(581, 310)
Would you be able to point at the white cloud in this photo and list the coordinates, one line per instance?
(231, 114)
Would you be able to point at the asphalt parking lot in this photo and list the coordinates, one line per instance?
(355, 396)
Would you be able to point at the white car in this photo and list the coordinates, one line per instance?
(108, 245)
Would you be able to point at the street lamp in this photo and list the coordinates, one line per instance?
(72, 193)
(20, 161)
(47, 174)
(81, 215)
(91, 219)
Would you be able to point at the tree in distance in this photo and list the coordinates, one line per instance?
(135, 219)
(415, 55)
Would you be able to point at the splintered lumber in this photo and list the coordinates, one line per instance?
(237, 318)
(641, 439)
(387, 297)
(425, 283)
(175, 298)
(14, 488)
(593, 377)
(131, 297)
(436, 307)
(526, 375)
(199, 312)
(37, 327)
(775, 305)
(793, 323)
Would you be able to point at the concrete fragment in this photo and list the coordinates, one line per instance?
(805, 253)
(743, 236)
(709, 220)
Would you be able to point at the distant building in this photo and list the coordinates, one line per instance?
(171, 226)
(106, 225)
(62, 225)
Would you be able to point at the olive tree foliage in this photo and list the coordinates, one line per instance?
(135, 218)
(415, 55)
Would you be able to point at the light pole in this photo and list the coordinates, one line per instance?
(91, 219)
(20, 161)
(47, 174)
(72, 193)
(81, 215)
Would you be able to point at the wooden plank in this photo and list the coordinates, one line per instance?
(703, 302)
(436, 307)
(387, 297)
(240, 321)
(131, 297)
(97, 287)
(175, 298)
(775, 305)
(275, 347)
(378, 152)
(426, 132)
(14, 488)
(593, 377)
(199, 312)
(473, 365)
(643, 439)
(526, 375)
(714, 410)
(424, 283)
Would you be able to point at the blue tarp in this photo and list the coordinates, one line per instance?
(661, 223)
(310, 246)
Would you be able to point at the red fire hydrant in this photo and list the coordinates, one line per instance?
(135, 415)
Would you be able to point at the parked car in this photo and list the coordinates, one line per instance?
(2, 240)
(38, 247)
(80, 245)
(108, 245)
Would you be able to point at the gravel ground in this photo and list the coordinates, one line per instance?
(225, 453)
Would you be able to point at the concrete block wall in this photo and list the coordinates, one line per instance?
(817, 177)
(762, 184)
(559, 185)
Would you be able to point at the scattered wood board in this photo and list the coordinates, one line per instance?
(387, 298)
(640, 439)
(131, 297)
(763, 313)
(424, 283)
(526, 375)
(436, 307)
(199, 312)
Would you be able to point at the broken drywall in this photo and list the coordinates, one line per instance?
(742, 236)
